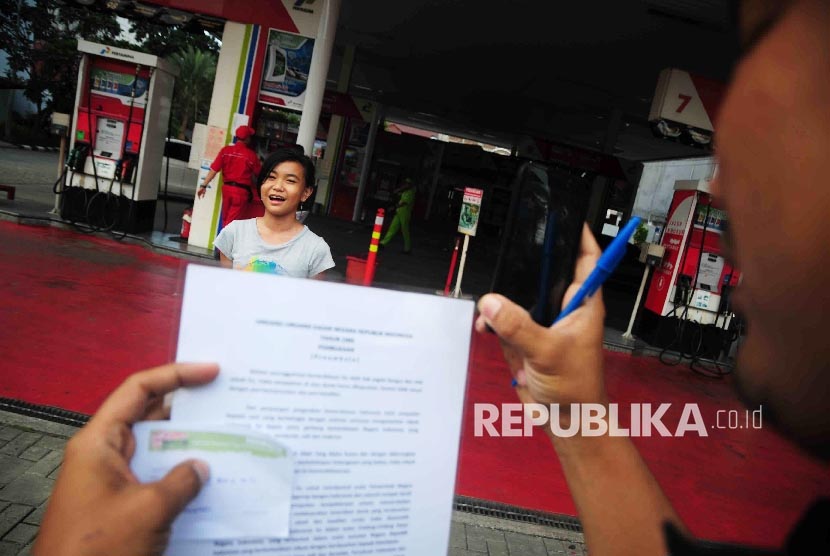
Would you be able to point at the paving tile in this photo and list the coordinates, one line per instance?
(9, 433)
(9, 548)
(455, 551)
(556, 547)
(47, 464)
(54, 474)
(477, 537)
(27, 550)
(524, 545)
(25, 423)
(457, 539)
(36, 516)
(31, 490)
(496, 548)
(575, 548)
(11, 467)
(21, 534)
(33, 453)
(51, 443)
(19, 444)
(11, 516)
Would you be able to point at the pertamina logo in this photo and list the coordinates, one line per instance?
(117, 53)
(299, 5)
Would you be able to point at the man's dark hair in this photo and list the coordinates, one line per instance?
(288, 154)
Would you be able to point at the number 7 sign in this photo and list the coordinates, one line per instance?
(684, 102)
(678, 99)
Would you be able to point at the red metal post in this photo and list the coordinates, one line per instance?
(452, 266)
(369, 274)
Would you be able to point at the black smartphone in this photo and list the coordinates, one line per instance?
(541, 237)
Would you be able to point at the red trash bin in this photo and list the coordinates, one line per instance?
(355, 269)
(187, 218)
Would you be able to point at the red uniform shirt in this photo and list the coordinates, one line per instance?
(238, 164)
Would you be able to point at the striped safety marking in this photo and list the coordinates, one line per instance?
(373, 249)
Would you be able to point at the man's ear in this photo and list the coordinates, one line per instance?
(307, 191)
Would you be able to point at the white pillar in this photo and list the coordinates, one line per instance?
(628, 335)
(377, 116)
(317, 73)
(436, 174)
(603, 183)
(457, 291)
(206, 210)
(336, 141)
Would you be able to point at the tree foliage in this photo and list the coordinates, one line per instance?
(194, 86)
(165, 41)
(196, 53)
(40, 40)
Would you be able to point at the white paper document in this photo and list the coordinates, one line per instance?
(364, 386)
(251, 476)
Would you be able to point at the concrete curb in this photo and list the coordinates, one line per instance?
(517, 527)
(38, 220)
(39, 148)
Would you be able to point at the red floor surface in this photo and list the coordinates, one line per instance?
(78, 314)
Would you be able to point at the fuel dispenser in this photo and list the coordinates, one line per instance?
(122, 109)
(693, 282)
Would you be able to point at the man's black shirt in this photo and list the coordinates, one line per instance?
(810, 537)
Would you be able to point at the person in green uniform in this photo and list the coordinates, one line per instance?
(403, 216)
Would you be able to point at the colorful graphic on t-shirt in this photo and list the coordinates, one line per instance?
(268, 267)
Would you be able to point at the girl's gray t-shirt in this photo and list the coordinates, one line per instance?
(303, 256)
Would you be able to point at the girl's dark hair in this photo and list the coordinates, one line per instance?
(288, 154)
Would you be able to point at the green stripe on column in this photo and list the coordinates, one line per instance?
(240, 74)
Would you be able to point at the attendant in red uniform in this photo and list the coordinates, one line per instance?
(240, 167)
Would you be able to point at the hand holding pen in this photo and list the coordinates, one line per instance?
(556, 364)
(541, 358)
(606, 265)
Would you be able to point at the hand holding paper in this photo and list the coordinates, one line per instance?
(366, 401)
(97, 507)
(249, 490)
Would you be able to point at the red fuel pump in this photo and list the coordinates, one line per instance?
(688, 307)
(694, 272)
(122, 107)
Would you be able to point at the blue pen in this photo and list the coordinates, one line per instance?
(606, 264)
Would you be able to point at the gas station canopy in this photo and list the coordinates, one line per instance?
(552, 70)
(557, 71)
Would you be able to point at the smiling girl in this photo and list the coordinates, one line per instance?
(277, 242)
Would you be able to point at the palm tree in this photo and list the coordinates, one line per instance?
(194, 86)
